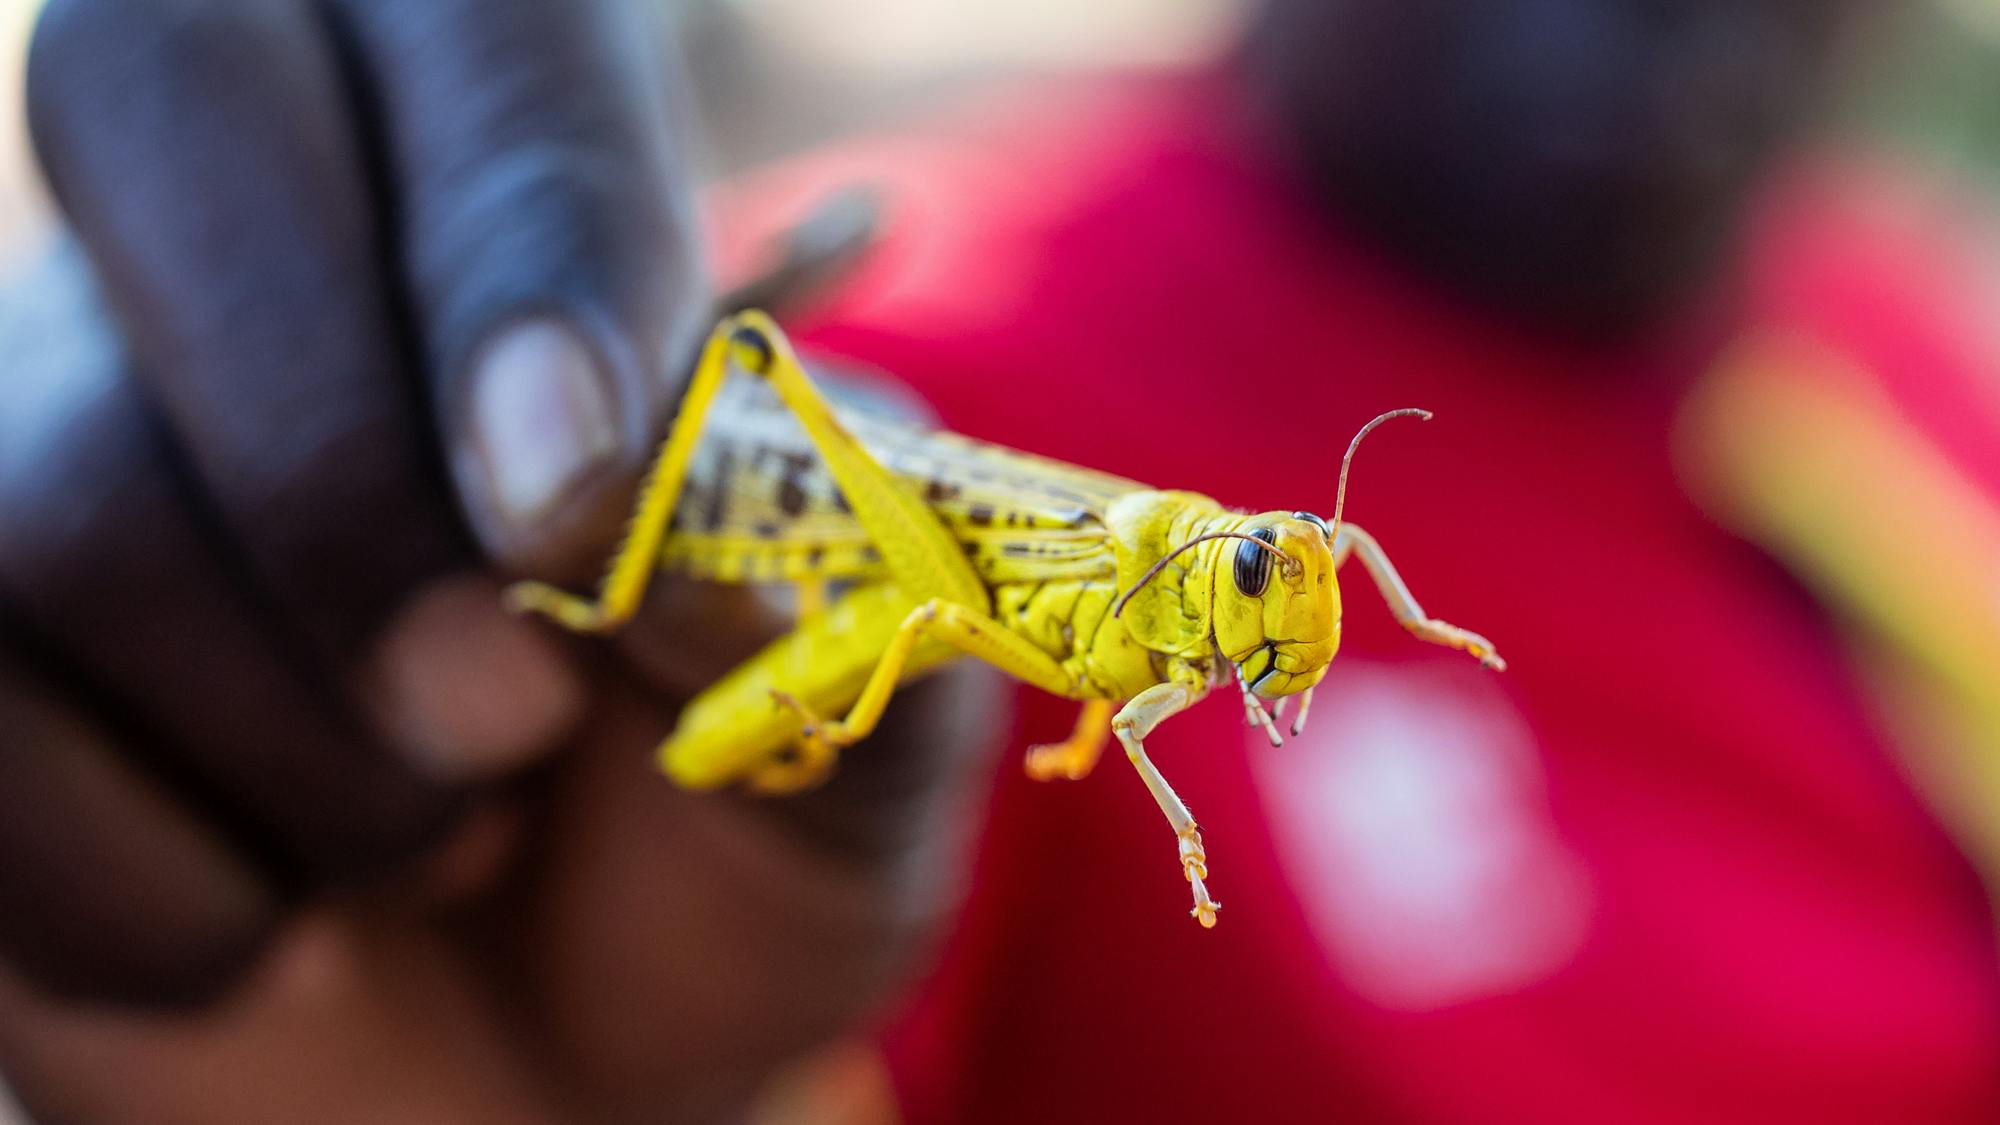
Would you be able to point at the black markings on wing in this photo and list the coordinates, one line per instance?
(759, 504)
(715, 504)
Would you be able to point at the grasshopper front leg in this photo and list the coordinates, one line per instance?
(1353, 540)
(1134, 722)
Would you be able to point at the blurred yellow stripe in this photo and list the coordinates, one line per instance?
(1799, 451)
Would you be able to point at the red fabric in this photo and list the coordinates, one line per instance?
(1664, 869)
(1903, 278)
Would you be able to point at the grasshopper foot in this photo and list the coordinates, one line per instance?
(1194, 864)
(1482, 650)
(812, 757)
(1058, 760)
(1464, 640)
(805, 769)
(1204, 907)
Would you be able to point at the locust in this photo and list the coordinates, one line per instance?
(911, 547)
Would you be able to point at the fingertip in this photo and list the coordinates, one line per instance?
(547, 435)
(467, 690)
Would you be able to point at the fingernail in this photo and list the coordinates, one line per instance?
(541, 417)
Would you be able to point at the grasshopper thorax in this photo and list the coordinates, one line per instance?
(1276, 602)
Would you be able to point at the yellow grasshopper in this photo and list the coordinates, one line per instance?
(1084, 584)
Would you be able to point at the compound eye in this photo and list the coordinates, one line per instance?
(1315, 521)
(1253, 563)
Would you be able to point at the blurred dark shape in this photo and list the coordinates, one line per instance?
(813, 253)
(1581, 163)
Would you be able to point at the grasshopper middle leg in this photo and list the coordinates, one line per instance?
(1074, 757)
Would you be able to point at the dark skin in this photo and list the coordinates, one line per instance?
(369, 304)
(297, 822)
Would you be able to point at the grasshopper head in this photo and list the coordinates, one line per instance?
(1277, 615)
(1277, 603)
(1274, 603)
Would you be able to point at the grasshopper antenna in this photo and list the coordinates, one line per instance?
(1118, 606)
(1340, 498)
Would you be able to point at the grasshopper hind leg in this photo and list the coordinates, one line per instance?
(941, 628)
(739, 726)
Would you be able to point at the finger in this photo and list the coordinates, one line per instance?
(205, 154)
(107, 889)
(347, 1019)
(104, 552)
(788, 919)
(546, 233)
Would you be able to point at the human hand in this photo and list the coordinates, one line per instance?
(376, 293)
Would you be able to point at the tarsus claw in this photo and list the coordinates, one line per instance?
(1205, 907)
